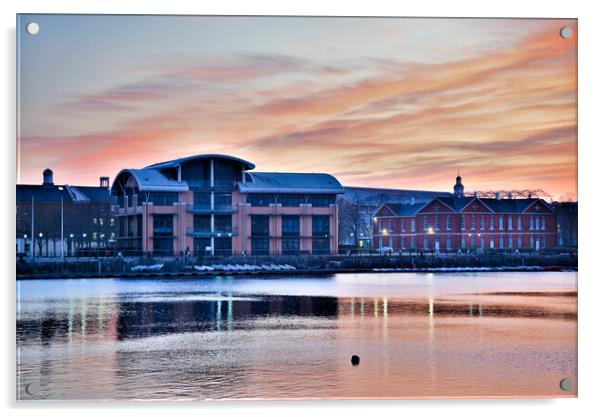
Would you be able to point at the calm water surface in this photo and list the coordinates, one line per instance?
(418, 335)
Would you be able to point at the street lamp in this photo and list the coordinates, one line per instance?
(41, 235)
(431, 231)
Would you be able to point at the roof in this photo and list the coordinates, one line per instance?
(391, 195)
(456, 203)
(153, 180)
(284, 182)
(68, 193)
(174, 163)
(517, 205)
(405, 209)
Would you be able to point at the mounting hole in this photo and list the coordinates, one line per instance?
(32, 28)
(32, 388)
(566, 32)
(566, 384)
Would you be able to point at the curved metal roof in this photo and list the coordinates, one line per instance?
(174, 163)
(293, 183)
(153, 180)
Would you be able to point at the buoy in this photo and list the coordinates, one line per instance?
(355, 360)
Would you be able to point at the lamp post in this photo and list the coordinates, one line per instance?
(41, 235)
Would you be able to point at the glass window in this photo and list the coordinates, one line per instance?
(519, 241)
(162, 225)
(482, 222)
(290, 226)
(260, 225)
(223, 246)
(437, 222)
(501, 223)
(291, 200)
(425, 222)
(403, 243)
(320, 246)
(200, 245)
(413, 225)
(472, 222)
(448, 223)
(531, 224)
(163, 199)
(463, 222)
(448, 243)
(322, 200)
(501, 243)
(520, 223)
(426, 243)
(223, 201)
(223, 223)
(537, 223)
(202, 200)
(491, 224)
(202, 223)
(320, 226)
(260, 246)
(509, 222)
(403, 224)
(290, 246)
(261, 200)
(543, 223)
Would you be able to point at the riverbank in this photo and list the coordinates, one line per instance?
(299, 265)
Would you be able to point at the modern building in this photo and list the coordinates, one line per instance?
(63, 220)
(449, 224)
(217, 205)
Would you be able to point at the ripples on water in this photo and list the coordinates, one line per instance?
(418, 335)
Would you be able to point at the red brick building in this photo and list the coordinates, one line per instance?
(449, 224)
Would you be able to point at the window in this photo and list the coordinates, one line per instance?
(202, 200)
(520, 223)
(436, 222)
(537, 223)
(531, 224)
(473, 241)
(413, 242)
(261, 200)
(531, 245)
(543, 242)
(482, 222)
(509, 222)
(202, 223)
(543, 223)
(290, 246)
(260, 225)
(322, 200)
(519, 241)
(491, 243)
(320, 226)
(463, 243)
(501, 243)
(163, 234)
(413, 224)
(163, 199)
(403, 224)
(425, 222)
(200, 245)
(291, 200)
(510, 243)
(290, 226)
(501, 223)
(390, 226)
(260, 246)
(222, 201)
(426, 243)
(320, 246)
(448, 243)
(448, 223)
(463, 223)
(472, 222)
(223, 246)
(223, 223)
(403, 243)
(491, 223)
(482, 242)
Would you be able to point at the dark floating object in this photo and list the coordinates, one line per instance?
(566, 384)
(355, 360)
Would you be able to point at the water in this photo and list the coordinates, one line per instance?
(418, 335)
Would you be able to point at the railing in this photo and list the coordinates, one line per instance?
(198, 232)
(217, 209)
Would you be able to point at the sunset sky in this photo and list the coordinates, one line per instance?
(383, 102)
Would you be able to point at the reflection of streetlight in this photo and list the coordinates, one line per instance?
(41, 235)
(84, 235)
(25, 236)
(71, 235)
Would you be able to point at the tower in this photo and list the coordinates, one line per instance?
(458, 188)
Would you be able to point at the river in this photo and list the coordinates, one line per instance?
(417, 335)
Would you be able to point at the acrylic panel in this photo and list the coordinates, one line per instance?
(237, 207)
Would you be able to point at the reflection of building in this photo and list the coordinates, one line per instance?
(214, 205)
(458, 222)
(81, 215)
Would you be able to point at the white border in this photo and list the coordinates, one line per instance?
(590, 68)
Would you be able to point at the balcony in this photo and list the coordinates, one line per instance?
(202, 232)
(206, 184)
(217, 209)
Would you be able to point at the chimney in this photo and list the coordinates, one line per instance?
(48, 180)
(497, 196)
(104, 182)
(510, 195)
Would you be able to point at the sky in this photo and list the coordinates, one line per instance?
(380, 102)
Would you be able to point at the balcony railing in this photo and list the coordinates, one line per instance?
(202, 232)
(217, 184)
(217, 209)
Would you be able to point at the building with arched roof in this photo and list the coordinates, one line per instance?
(217, 205)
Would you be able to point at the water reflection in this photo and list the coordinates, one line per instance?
(228, 340)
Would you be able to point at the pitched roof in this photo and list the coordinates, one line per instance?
(456, 203)
(405, 209)
(68, 193)
(285, 182)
